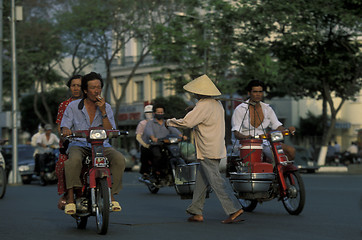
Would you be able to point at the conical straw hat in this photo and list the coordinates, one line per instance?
(202, 86)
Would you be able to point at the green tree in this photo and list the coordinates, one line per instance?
(38, 50)
(29, 120)
(200, 40)
(315, 46)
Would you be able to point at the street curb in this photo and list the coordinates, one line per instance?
(351, 169)
(330, 169)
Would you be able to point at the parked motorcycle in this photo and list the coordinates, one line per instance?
(177, 172)
(256, 181)
(3, 176)
(95, 197)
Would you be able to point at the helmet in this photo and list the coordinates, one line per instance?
(148, 108)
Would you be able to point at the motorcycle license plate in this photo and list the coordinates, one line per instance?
(100, 161)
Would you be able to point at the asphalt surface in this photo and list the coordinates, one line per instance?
(332, 211)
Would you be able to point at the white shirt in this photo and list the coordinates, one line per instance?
(34, 140)
(240, 120)
(53, 140)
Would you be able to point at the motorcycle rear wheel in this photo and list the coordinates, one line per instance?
(3, 182)
(248, 205)
(102, 209)
(295, 199)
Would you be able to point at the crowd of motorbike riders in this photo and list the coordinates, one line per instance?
(86, 101)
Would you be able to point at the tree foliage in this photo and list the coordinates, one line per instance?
(314, 45)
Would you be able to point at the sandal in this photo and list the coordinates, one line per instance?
(70, 209)
(116, 207)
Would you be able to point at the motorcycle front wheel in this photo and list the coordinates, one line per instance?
(295, 199)
(248, 205)
(102, 209)
(3, 182)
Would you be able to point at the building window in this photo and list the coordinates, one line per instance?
(139, 91)
(159, 87)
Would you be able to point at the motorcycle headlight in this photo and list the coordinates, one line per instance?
(276, 136)
(173, 140)
(98, 134)
(23, 168)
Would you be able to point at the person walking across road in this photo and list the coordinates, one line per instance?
(207, 121)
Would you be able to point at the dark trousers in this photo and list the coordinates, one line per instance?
(43, 160)
(157, 160)
(146, 157)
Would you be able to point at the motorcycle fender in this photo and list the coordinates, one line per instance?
(285, 169)
(289, 168)
(95, 173)
(174, 150)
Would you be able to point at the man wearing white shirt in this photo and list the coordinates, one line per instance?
(253, 117)
(46, 143)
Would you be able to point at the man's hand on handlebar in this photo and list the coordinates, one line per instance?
(292, 130)
(66, 132)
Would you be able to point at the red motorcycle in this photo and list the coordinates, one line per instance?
(256, 181)
(95, 194)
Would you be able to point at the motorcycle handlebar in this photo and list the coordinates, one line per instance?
(83, 134)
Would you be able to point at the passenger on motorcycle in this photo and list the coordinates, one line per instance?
(156, 129)
(146, 154)
(74, 85)
(252, 118)
(47, 142)
(81, 114)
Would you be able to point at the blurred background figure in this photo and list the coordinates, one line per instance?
(47, 142)
(33, 143)
(144, 147)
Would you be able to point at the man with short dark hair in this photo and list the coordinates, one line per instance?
(81, 114)
(253, 117)
(154, 130)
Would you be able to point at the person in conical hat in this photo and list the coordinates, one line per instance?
(202, 86)
(208, 124)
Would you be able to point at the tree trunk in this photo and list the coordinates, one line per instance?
(328, 128)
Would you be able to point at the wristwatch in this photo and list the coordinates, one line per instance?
(104, 116)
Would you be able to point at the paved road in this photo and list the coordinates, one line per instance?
(332, 211)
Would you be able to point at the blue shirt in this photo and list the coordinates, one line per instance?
(153, 128)
(78, 119)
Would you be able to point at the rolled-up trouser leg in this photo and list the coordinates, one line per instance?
(73, 166)
(117, 166)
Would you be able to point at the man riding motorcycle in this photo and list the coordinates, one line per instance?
(154, 130)
(46, 142)
(81, 114)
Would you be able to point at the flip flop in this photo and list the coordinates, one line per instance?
(233, 217)
(70, 209)
(116, 207)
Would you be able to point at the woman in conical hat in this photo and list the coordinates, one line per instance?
(207, 121)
